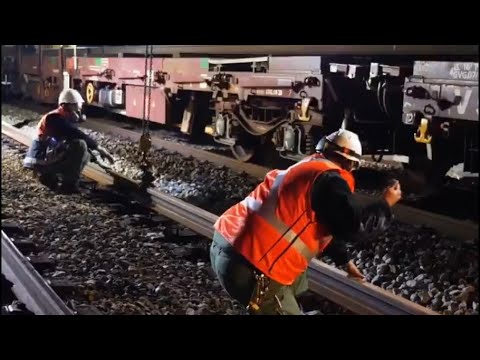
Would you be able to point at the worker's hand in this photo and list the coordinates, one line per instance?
(105, 154)
(393, 193)
(354, 272)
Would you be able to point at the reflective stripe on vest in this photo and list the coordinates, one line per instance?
(266, 210)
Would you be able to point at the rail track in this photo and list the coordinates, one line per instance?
(24, 280)
(412, 209)
(461, 229)
(324, 280)
(462, 208)
(28, 285)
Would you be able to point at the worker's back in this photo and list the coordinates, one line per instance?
(275, 227)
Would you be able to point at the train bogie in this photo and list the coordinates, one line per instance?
(258, 100)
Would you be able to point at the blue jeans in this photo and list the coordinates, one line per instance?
(68, 162)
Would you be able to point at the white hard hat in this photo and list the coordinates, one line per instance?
(343, 142)
(70, 96)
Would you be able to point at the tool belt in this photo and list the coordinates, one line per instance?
(263, 286)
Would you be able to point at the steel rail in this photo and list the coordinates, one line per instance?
(325, 280)
(359, 297)
(463, 230)
(28, 285)
(459, 229)
(109, 126)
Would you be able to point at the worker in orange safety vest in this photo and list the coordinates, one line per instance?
(262, 245)
(60, 151)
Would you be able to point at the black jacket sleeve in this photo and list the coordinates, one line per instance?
(337, 250)
(336, 208)
(65, 129)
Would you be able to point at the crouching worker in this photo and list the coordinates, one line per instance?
(262, 246)
(61, 150)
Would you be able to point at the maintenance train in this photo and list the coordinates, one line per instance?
(418, 104)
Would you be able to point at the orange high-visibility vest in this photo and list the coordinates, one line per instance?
(274, 227)
(41, 127)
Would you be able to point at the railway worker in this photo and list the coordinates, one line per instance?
(262, 246)
(61, 149)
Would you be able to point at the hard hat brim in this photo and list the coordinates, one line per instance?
(347, 156)
(346, 153)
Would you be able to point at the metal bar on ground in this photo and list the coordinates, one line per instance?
(458, 229)
(364, 298)
(29, 286)
(202, 155)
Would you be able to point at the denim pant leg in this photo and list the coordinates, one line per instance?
(233, 271)
(287, 295)
(236, 275)
(76, 157)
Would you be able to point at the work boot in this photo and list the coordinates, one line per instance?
(49, 180)
(313, 312)
(68, 188)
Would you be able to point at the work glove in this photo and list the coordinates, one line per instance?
(79, 117)
(393, 193)
(375, 224)
(105, 154)
(354, 272)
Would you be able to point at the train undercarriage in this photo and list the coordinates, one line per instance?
(423, 113)
(427, 119)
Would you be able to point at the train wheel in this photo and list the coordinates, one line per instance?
(243, 153)
(89, 93)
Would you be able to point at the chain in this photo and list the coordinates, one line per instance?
(147, 88)
(145, 140)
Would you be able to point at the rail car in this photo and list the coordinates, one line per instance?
(421, 108)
